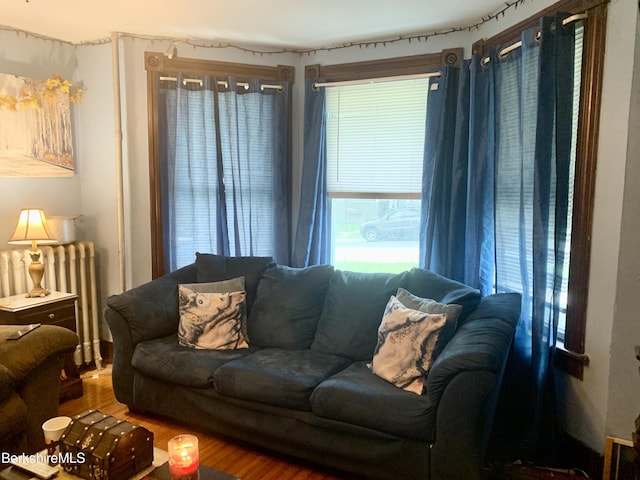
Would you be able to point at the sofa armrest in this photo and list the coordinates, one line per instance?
(481, 343)
(142, 313)
(20, 357)
(464, 382)
(151, 310)
(30, 382)
(463, 422)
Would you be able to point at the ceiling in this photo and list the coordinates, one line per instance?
(291, 24)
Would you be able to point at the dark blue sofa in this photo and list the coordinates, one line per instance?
(302, 388)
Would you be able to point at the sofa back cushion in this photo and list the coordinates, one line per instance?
(352, 312)
(214, 268)
(288, 306)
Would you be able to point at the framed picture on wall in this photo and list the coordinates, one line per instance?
(35, 127)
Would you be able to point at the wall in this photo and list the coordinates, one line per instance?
(95, 153)
(624, 373)
(604, 403)
(29, 57)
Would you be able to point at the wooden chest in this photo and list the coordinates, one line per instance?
(101, 447)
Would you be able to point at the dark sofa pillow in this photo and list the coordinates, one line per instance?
(427, 284)
(352, 312)
(288, 306)
(214, 268)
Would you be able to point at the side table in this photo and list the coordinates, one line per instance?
(57, 308)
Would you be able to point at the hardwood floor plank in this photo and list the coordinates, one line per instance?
(241, 460)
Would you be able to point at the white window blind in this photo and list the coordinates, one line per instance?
(375, 137)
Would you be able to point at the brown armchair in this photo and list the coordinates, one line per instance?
(30, 384)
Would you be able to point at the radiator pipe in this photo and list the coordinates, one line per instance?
(84, 304)
(115, 57)
(62, 268)
(4, 273)
(73, 288)
(95, 324)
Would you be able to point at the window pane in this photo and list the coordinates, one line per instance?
(378, 129)
(375, 148)
(374, 235)
(577, 80)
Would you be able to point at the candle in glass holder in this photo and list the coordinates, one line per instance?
(184, 458)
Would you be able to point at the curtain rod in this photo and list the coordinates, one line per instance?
(376, 80)
(223, 83)
(504, 51)
(518, 44)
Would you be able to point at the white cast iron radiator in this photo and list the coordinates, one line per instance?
(68, 268)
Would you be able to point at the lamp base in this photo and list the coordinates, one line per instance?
(38, 291)
(36, 271)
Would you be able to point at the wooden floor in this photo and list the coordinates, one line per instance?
(240, 460)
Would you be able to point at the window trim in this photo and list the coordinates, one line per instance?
(156, 62)
(571, 356)
(390, 67)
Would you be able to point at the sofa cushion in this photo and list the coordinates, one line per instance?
(280, 377)
(211, 320)
(357, 396)
(352, 311)
(214, 268)
(288, 306)
(426, 284)
(407, 341)
(165, 359)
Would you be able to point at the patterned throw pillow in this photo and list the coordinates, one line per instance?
(427, 305)
(211, 320)
(407, 342)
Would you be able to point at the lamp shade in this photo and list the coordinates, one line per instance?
(32, 227)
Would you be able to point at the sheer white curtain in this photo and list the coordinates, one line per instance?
(224, 160)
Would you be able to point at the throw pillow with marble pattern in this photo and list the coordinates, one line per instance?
(211, 320)
(407, 340)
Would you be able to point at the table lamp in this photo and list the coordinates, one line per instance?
(32, 229)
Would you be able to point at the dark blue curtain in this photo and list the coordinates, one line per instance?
(224, 169)
(496, 196)
(312, 243)
(443, 181)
